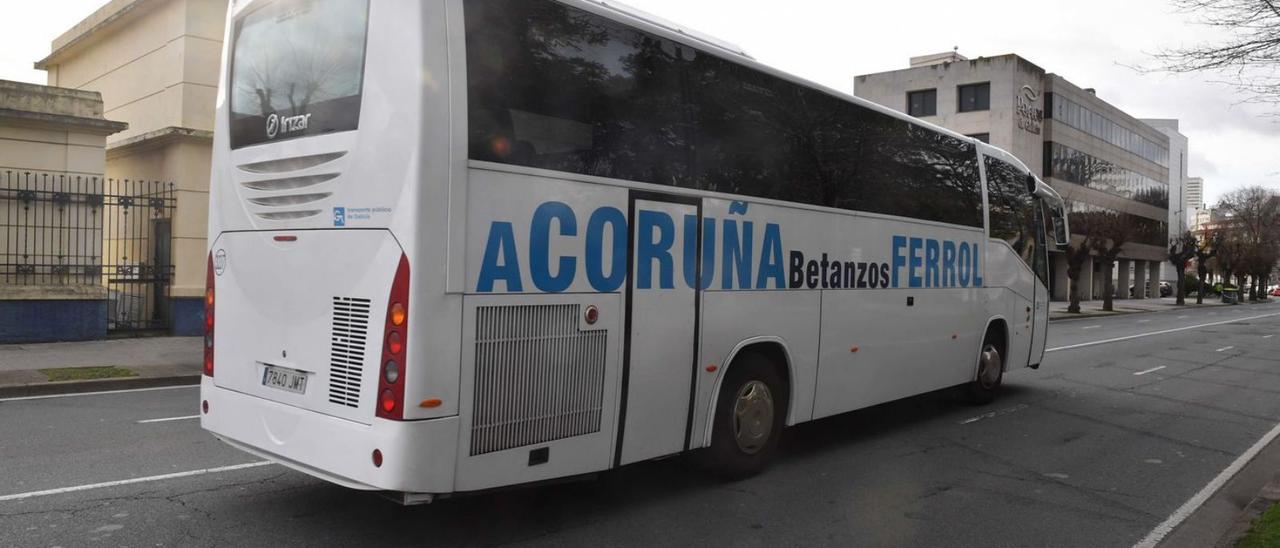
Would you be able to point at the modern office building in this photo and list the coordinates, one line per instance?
(1097, 156)
(1194, 198)
(1178, 210)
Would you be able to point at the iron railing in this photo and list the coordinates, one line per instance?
(62, 229)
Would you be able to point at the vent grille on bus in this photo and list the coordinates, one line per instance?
(346, 349)
(538, 377)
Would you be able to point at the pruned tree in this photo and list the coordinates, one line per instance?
(1254, 230)
(1110, 232)
(1181, 250)
(1204, 252)
(1083, 227)
(1248, 55)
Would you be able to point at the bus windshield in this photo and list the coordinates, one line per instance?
(297, 69)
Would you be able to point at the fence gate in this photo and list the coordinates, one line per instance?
(59, 229)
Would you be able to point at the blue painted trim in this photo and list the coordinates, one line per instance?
(188, 316)
(52, 321)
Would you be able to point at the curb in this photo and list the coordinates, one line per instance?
(94, 385)
(1269, 495)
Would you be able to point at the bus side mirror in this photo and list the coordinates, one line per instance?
(1061, 232)
(1032, 184)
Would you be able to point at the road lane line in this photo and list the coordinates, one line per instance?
(994, 414)
(1267, 336)
(1152, 370)
(1144, 321)
(150, 421)
(1196, 501)
(1154, 333)
(1091, 327)
(62, 490)
(1225, 348)
(25, 398)
(1183, 317)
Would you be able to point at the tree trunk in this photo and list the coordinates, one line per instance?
(1073, 282)
(1182, 286)
(1202, 271)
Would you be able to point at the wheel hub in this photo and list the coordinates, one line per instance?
(753, 416)
(990, 366)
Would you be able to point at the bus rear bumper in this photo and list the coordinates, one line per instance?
(417, 456)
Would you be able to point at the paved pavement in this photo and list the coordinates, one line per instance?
(1129, 417)
(1058, 309)
(155, 361)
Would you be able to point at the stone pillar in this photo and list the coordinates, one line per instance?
(1061, 284)
(1154, 282)
(1122, 286)
(1140, 280)
(1086, 280)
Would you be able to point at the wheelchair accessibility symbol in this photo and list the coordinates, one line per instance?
(339, 216)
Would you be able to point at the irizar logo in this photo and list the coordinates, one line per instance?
(277, 125)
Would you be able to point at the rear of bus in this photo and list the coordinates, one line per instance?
(328, 332)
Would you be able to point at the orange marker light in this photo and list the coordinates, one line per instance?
(430, 403)
(398, 315)
(712, 368)
(854, 349)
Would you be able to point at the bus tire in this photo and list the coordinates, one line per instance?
(749, 417)
(986, 385)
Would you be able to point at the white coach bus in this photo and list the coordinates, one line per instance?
(457, 245)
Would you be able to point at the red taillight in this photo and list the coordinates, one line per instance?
(396, 336)
(209, 301)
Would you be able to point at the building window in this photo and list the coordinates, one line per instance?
(974, 97)
(984, 137)
(922, 103)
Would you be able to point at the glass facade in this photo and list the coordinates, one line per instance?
(1068, 164)
(1145, 231)
(1069, 112)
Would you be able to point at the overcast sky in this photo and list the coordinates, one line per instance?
(1090, 42)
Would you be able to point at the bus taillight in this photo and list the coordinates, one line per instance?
(208, 317)
(395, 335)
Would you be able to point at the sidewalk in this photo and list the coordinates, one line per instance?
(1091, 309)
(25, 369)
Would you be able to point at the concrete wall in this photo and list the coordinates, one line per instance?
(156, 64)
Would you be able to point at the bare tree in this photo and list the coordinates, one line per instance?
(1248, 58)
(1110, 233)
(1181, 250)
(1207, 250)
(1254, 228)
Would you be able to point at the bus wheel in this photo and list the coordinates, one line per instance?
(984, 388)
(750, 413)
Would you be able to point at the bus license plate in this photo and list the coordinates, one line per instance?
(288, 380)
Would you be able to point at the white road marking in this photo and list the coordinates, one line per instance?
(149, 421)
(1196, 501)
(1144, 321)
(1225, 348)
(1183, 317)
(1267, 336)
(1152, 370)
(176, 475)
(1154, 333)
(24, 398)
(994, 414)
(1091, 327)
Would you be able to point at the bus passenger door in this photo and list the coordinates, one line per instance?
(1040, 329)
(661, 310)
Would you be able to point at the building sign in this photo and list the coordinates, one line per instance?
(1030, 117)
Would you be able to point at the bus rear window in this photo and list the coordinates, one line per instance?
(297, 69)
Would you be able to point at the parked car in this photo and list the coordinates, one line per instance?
(1166, 289)
(1275, 292)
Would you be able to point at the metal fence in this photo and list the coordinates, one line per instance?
(59, 229)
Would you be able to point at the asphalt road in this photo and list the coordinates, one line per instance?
(1116, 431)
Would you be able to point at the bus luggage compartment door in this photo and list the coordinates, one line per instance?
(662, 319)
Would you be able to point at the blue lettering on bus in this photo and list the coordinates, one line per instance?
(915, 261)
(540, 247)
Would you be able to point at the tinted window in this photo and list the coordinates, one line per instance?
(297, 70)
(975, 97)
(1015, 214)
(558, 88)
(923, 102)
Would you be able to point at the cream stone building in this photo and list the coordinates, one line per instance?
(155, 63)
(52, 162)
